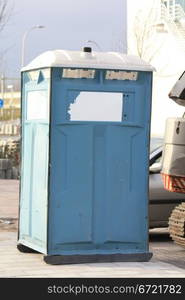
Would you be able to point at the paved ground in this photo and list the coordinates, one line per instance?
(9, 190)
(168, 259)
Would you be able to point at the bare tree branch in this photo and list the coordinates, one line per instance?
(147, 41)
(4, 13)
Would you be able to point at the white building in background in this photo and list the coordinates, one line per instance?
(156, 32)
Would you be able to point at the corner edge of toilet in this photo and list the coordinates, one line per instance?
(85, 157)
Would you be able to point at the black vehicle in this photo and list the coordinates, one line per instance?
(161, 201)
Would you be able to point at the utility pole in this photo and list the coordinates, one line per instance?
(2, 86)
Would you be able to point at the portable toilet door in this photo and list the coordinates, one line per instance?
(85, 152)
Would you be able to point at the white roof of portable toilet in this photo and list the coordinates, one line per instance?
(81, 59)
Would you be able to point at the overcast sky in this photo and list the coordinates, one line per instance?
(69, 23)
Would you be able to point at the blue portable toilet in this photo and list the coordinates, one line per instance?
(85, 157)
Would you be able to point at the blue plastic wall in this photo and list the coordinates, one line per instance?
(98, 178)
(34, 165)
(84, 184)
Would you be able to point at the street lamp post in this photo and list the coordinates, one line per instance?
(24, 39)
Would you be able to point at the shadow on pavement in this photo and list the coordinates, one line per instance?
(159, 235)
(164, 249)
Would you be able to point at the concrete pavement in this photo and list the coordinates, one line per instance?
(16, 264)
(9, 191)
(167, 262)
